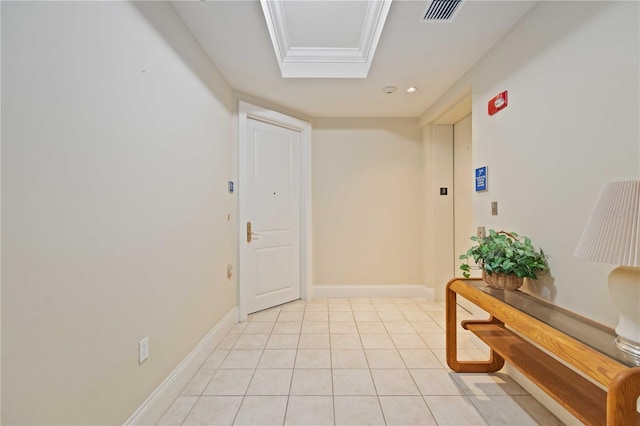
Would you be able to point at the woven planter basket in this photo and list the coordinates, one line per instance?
(502, 282)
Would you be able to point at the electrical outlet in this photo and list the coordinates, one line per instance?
(143, 350)
(229, 270)
(494, 208)
(481, 232)
(546, 293)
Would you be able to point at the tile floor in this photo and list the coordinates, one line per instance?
(348, 362)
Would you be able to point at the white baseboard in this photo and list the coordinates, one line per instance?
(152, 410)
(549, 403)
(541, 396)
(386, 290)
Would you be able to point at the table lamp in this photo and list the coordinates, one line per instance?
(612, 235)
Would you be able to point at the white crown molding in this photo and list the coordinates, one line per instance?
(325, 62)
(324, 54)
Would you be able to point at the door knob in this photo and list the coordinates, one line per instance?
(250, 235)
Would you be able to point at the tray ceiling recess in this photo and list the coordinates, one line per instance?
(325, 38)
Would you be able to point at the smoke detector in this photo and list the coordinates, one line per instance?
(389, 89)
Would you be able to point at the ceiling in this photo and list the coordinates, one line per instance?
(429, 56)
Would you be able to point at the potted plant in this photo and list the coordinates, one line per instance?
(505, 258)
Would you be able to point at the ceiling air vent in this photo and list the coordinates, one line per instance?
(441, 10)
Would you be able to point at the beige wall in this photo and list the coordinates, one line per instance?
(571, 126)
(116, 148)
(367, 208)
(117, 145)
(571, 69)
(572, 72)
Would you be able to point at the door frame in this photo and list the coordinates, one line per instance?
(248, 111)
(466, 304)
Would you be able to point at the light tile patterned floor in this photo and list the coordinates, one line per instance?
(348, 362)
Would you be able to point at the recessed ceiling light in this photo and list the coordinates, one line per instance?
(389, 89)
(412, 89)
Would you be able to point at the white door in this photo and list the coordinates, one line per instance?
(270, 201)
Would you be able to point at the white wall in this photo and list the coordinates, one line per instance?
(116, 148)
(571, 69)
(367, 209)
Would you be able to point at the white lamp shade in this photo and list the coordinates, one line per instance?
(612, 234)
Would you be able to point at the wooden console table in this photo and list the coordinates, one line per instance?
(586, 346)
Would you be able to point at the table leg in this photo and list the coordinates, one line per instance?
(495, 362)
(622, 398)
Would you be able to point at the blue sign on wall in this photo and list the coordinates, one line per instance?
(481, 179)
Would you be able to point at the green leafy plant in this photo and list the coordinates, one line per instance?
(505, 253)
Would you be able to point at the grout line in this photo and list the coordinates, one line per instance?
(397, 303)
(333, 390)
(371, 375)
(293, 368)
(188, 412)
